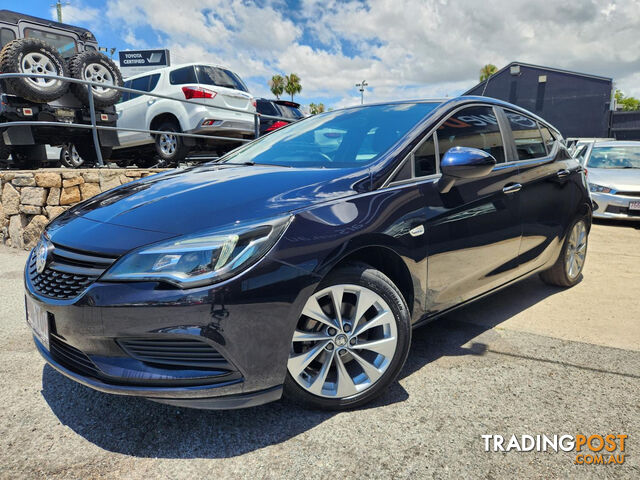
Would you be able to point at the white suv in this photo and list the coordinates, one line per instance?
(204, 83)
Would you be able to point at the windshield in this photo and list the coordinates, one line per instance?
(342, 139)
(615, 157)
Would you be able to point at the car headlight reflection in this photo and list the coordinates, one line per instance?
(199, 259)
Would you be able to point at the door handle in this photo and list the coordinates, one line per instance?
(563, 173)
(512, 188)
(151, 101)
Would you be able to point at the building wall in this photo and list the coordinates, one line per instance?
(576, 105)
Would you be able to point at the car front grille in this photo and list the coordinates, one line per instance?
(70, 357)
(68, 273)
(174, 352)
(629, 194)
(622, 210)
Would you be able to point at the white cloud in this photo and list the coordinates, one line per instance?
(403, 48)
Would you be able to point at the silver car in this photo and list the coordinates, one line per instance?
(613, 173)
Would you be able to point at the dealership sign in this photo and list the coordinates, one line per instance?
(133, 62)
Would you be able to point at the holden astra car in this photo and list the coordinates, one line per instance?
(298, 265)
(613, 172)
(224, 108)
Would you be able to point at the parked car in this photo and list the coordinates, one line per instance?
(288, 111)
(613, 173)
(41, 46)
(216, 86)
(297, 266)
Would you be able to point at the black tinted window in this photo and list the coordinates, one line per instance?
(6, 36)
(290, 111)
(125, 95)
(475, 127)
(219, 77)
(182, 76)
(153, 82)
(141, 83)
(529, 143)
(547, 137)
(265, 107)
(425, 159)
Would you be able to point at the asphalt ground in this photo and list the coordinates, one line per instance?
(531, 359)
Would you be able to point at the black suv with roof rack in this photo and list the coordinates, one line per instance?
(289, 111)
(44, 47)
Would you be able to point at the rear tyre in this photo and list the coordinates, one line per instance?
(87, 152)
(28, 157)
(170, 148)
(567, 269)
(95, 67)
(30, 55)
(351, 340)
(69, 156)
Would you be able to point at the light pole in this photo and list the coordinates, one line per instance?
(362, 85)
(59, 6)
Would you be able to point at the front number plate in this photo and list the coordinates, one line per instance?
(634, 205)
(38, 320)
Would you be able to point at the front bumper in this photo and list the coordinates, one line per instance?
(614, 206)
(248, 320)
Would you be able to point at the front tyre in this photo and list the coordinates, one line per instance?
(567, 269)
(351, 340)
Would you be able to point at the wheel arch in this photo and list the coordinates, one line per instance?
(160, 118)
(386, 260)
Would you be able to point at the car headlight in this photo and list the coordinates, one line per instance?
(599, 188)
(200, 259)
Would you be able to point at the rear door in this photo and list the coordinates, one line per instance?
(132, 111)
(546, 196)
(474, 230)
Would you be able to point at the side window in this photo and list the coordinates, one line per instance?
(425, 159)
(182, 76)
(6, 36)
(141, 83)
(526, 134)
(153, 82)
(547, 138)
(266, 108)
(475, 127)
(125, 95)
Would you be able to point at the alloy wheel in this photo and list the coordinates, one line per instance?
(96, 72)
(168, 143)
(344, 342)
(39, 64)
(576, 250)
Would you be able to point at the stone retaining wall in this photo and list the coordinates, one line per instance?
(30, 199)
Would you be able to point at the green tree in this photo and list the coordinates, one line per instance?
(276, 84)
(315, 108)
(628, 104)
(292, 84)
(488, 70)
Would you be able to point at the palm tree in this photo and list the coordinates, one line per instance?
(292, 84)
(315, 108)
(276, 84)
(488, 70)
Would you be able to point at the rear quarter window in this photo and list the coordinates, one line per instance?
(527, 136)
(6, 36)
(183, 76)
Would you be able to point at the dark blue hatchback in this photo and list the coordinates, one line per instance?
(301, 262)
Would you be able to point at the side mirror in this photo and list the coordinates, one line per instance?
(464, 162)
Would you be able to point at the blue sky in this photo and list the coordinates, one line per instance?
(402, 48)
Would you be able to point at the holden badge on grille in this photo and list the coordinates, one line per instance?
(41, 255)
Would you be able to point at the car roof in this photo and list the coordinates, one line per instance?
(178, 65)
(617, 143)
(461, 101)
(13, 18)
